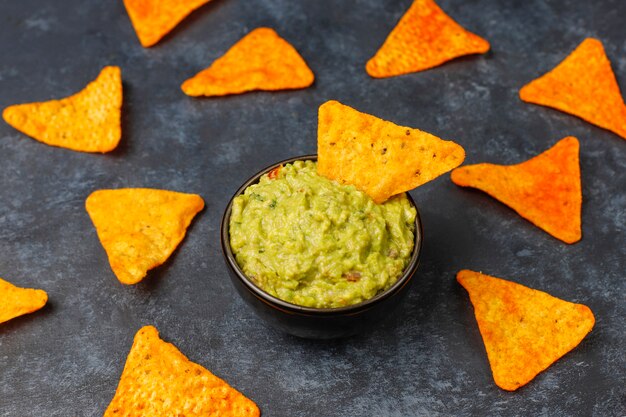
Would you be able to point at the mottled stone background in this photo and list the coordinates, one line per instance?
(66, 359)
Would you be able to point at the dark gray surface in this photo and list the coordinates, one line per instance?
(66, 359)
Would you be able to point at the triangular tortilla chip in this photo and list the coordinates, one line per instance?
(139, 228)
(158, 380)
(88, 121)
(153, 19)
(261, 60)
(524, 330)
(545, 189)
(377, 156)
(16, 301)
(425, 37)
(583, 85)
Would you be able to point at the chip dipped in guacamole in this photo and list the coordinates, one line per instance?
(313, 242)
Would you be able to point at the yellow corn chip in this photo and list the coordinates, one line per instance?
(524, 330)
(153, 19)
(583, 85)
(377, 156)
(139, 228)
(545, 189)
(425, 37)
(88, 121)
(261, 60)
(158, 380)
(16, 301)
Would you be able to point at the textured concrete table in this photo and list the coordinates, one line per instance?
(66, 359)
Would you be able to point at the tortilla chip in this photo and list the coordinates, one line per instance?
(153, 19)
(158, 380)
(545, 189)
(139, 228)
(524, 330)
(16, 301)
(377, 156)
(583, 85)
(261, 60)
(425, 37)
(88, 121)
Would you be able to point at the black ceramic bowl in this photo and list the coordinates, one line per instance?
(309, 322)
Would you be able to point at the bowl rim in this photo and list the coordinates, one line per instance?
(288, 307)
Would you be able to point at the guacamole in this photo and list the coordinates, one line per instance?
(314, 242)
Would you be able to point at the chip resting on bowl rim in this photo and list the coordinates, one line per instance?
(379, 157)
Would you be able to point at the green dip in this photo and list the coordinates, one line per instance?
(311, 241)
